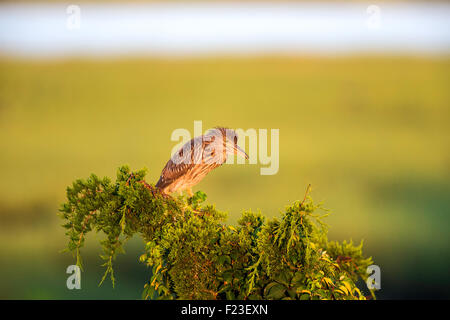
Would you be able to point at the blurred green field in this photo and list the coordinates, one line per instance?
(370, 134)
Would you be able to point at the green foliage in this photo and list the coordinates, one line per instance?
(195, 255)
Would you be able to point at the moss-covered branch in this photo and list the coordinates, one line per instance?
(195, 255)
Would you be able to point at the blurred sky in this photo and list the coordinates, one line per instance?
(201, 28)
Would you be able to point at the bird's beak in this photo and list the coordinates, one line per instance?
(238, 151)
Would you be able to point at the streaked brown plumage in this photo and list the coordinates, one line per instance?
(196, 158)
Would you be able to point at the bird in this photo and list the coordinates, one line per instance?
(196, 158)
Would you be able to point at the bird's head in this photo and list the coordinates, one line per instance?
(226, 140)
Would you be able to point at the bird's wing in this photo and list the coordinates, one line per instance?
(182, 161)
(171, 172)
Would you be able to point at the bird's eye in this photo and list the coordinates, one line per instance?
(235, 139)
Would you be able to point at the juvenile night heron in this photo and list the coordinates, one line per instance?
(196, 158)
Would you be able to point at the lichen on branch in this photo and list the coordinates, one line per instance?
(194, 254)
